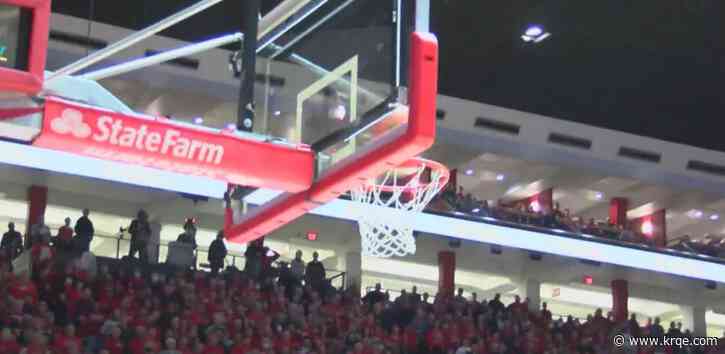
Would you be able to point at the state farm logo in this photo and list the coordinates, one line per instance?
(149, 140)
(71, 121)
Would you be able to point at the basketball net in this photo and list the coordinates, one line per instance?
(386, 234)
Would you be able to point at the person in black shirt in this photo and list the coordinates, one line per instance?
(12, 243)
(189, 234)
(375, 296)
(217, 253)
(315, 273)
(140, 231)
(414, 296)
(496, 305)
(84, 231)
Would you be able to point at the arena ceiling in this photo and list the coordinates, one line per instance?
(649, 67)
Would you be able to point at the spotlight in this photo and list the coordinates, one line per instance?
(231, 126)
(338, 112)
(277, 113)
(535, 206)
(598, 195)
(476, 210)
(198, 120)
(469, 172)
(500, 177)
(714, 217)
(647, 228)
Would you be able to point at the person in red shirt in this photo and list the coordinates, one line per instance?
(136, 345)
(394, 339)
(242, 344)
(22, 288)
(436, 340)
(8, 343)
(64, 240)
(285, 343)
(113, 342)
(213, 345)
(67, 339)
(38, 344)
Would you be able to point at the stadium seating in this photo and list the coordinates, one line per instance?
(130, 308)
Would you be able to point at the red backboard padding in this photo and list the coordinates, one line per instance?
(30, 81)
(167, 145)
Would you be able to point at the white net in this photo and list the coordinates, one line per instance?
(386, 234)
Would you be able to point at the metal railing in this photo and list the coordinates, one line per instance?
(121, 245)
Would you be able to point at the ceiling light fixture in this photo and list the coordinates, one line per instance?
(598, 195)
(535, 34)
(198, 120)
(500, 177)
(469, 172)
(714, 217)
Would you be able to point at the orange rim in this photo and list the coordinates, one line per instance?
(415, 163)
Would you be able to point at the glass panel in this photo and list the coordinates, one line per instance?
(331, 75)
(14, 37)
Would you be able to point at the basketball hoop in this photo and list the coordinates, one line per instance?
(408, 187)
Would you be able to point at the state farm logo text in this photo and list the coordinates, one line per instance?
(112, 131)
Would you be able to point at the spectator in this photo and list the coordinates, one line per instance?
(414, 296)
(633, 325)
(459, 296)
(465, 347)
(315, 273)
(170, 345)
(545, 313)
(84, 231)
(12, 243)
(656, 329)
(140, 231)
(297, 266)
(64, 239)
(38, 232)
(8, 342)
(267, 258)
(189, 234)
(375, 296)
(217, 253)
(253, 257)
(154, 243)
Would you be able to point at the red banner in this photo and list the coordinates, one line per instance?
(171, 146)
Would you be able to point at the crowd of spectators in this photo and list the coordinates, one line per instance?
(67, 307)
(562, 219)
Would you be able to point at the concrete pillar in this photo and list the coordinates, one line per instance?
(446, 273)
(620, 299)
(37, 202)
(533, 293)
(693, 318)
(353, 270)
(618, 211)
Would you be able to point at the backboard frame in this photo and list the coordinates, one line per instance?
(396, 147)
(30, 81)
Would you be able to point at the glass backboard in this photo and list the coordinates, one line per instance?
(331, 80)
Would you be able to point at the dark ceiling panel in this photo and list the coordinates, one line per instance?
(648, 67)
